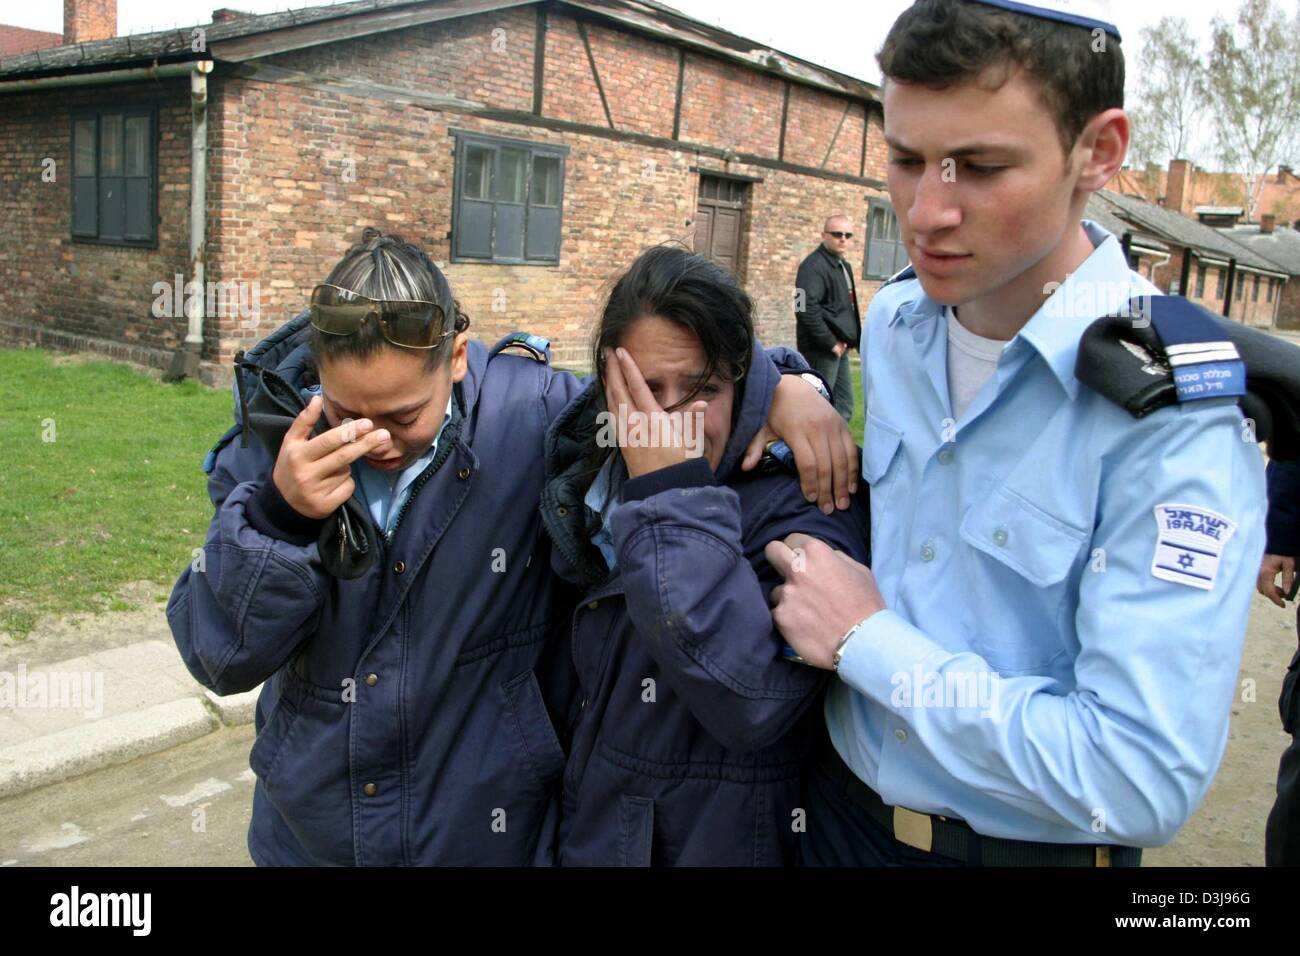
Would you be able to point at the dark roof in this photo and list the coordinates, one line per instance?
(16, 40)
(176, 44)
(1099, 213)
(1179, 230)
(1282, 245)
(643, 16)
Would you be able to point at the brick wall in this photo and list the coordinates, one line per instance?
(87, 20)
(286, 210)
(296, 173)
(1288, 312)
(1259, 314)
(85, 292)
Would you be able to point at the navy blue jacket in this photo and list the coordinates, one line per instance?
(688, 744)
(406, 716)
(1283, 523)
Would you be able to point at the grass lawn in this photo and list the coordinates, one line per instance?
(856, 424)
(117, 495)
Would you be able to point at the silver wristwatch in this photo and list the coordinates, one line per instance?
(839, 648)
(816, 383)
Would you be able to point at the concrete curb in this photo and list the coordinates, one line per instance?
(79, 750)
(152, 704)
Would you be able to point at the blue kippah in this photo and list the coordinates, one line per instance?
(1091, 14)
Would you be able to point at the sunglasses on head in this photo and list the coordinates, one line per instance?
(410, 323)
(840, 235)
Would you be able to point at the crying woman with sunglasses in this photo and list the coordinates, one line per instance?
(377, 562)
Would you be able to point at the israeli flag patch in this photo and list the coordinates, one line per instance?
(1189, 542)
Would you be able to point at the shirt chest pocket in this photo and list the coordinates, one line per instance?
(881, 461)
(1019, 628)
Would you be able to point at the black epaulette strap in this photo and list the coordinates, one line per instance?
(1162, 350)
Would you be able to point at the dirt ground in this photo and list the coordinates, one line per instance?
(1226, 830)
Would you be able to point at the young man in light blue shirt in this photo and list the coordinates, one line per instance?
(1039, 666)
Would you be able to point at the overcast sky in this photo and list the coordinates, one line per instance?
(842, 36)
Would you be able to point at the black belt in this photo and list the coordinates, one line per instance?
(955, 839)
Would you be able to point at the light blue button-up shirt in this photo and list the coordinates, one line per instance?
(600, 500)
(1045, 669)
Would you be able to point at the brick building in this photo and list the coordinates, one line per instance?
(1280, 244)
(534, 148)
(1201, 262)
(1183, 186)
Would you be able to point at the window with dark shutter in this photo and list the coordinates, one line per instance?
(115, 176)
(1219, 276)
(509, 198)
(1200, 280)
(1254, 292)
(885, 252)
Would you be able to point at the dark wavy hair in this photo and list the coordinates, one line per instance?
(688, 290)
(672, 283)
(939, 43)
(388, 267)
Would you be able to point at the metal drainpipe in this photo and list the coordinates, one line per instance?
(1227, 293)
(198, 207)
(186, 360)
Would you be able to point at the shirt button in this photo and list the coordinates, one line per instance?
(372, 680)
(399, 567)
(593, 605)
(927, 552)
(900, 735)
(945, 455)
(1000, 537)
(463, 474)
(370, 789)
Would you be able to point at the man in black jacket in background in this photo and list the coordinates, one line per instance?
(1282, 834)
(827, 318)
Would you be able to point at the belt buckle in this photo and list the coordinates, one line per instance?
(914, 829)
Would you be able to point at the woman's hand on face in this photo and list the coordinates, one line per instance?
(659, 437)
(314, 475)
(823, 447)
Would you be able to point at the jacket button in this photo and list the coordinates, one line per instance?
(399, 567)
(370, 789)
(372, 680)
(593, 605)
(463, 473)
(561, 511)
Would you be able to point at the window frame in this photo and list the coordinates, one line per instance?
(464, 140)
(96, 114)
(874, 203)
(1200, 280)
